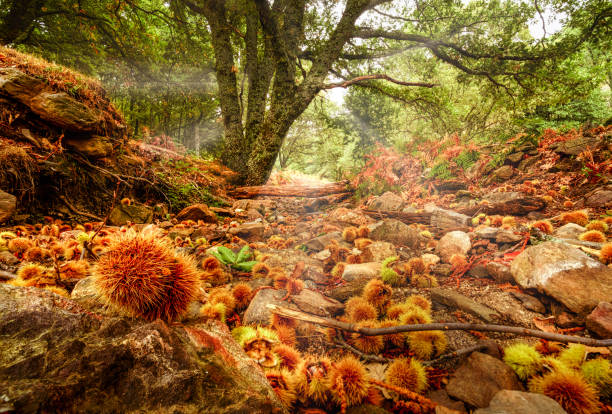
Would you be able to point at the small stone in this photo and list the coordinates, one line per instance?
(321, 242)
(454, 242)
(456, 300)
(479, 378)
(356, 276)
(8, 258)
(529, 302)
(515, 157)
(349, 217)
(389, 201)
(520, 402)
(600, 320)
(507, 236)
(502, 174)
(249, 231)
(569, 231)
(601, 198)
(197, 212)
(489, 233)
(314, 302)
(396, 232)
(378, 251)
(138, 214)
(479, 271)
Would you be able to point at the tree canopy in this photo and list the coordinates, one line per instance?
(447, 64)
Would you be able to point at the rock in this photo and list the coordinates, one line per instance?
(288, 259)
(441, 397)
(18, 85)
(527, 163)
(262, 206)
(520, 402)
(396, 232)
(564, 273)
(529, 302)
(507, 236)
(455, 242)
(479, 271)
(513, 203)
(348, 217)
(389, 201)
(258, 313)
(566, 320)
(600, 320)
(8, 258)
(575, 146)
(456, 300)
(447, 219)
(197, 212)
(249, 231)
(501, 174)
(569, 231)
(479, 378)
(430, 259)
(601, 197)
(66, 112)
(378, 251)
(139, 214)
(8, 205)
(94, 147)
(319, 243)
(500, 272)
(53, 350)
(442, 269)
(515, 158)
(489, 233)
(356, 276)
(313, 302)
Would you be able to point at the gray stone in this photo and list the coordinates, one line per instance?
(258, 313)
(520, 402)
(600, 320)
(529, 302)
(355, 276)
(447, 219)
(576, 146)
(314, 302)
(489, 233)
(479, 378)
(378, 251)
(53, 350)
(513, 203)
(454, 242)
(396, 232)
(389, 201)
(507, 236)
(601, 198)
(569, 231)
(349, 217)
(456, 300)
(564, 273)
(321, 242)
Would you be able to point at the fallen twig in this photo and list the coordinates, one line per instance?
(364, 356)
(350, 327)
(458, 353)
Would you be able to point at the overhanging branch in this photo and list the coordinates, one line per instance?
(382, 76)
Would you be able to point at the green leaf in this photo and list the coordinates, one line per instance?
(245, 266)
(243, 254)
(218, 256)
(227, 255)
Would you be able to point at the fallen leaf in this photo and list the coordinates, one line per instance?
(545, 324)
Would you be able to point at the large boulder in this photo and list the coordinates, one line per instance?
(396, 232)
(58, 357)
(8, 204)
(389, 201)
(454, 242)
(564, 273)
(520, 402)
(479, 378)
(19, 86)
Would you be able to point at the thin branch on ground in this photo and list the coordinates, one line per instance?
(456, 354)
(364, 356)
(516, 330)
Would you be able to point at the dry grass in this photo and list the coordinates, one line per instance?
(17, 171)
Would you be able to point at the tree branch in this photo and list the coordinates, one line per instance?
(382, 76)
(350, 327)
